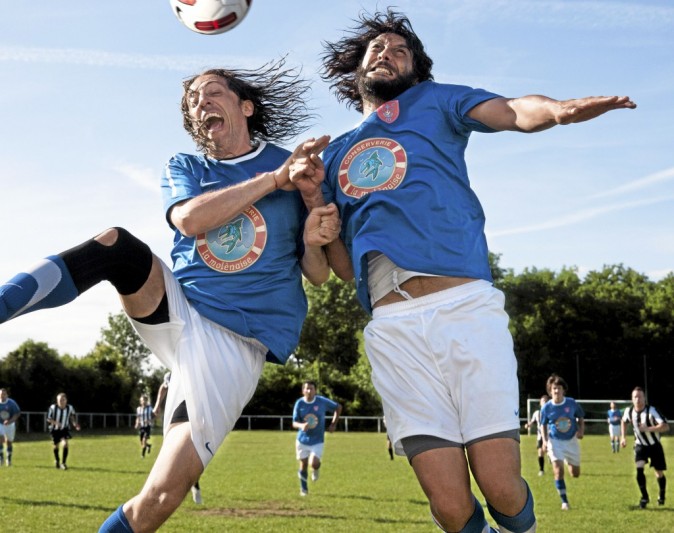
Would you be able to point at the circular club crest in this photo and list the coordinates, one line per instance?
(376, 164)
(235, 245)
(311, 420)
(563, 424)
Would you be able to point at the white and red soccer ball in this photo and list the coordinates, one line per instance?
(210, 16)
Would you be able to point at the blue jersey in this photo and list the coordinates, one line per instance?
(561, 419)
(314, 414)
(401, 185)
(614, 416)
(244, 275)
(8, 409)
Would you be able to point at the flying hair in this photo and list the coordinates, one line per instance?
(342, 58)
(279, 98)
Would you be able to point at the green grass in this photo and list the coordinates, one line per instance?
(252, 486)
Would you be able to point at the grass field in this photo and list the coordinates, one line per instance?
(252, 486)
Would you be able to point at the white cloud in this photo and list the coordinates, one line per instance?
(578, 216)
(100, 58)
(641, 183)
(144, 176)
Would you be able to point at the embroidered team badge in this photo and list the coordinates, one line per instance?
(389, 111)
(311, 420)
(372, 165)
(235, 245)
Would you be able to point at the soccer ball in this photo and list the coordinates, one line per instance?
(210, 16)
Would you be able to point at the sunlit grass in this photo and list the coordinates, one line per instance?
(252, 486)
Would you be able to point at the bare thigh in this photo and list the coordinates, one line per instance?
(496, 467)
(176, 469)
(444, 478)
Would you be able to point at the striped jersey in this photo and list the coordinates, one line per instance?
(144, 415)
(649, 416)
(61, 416)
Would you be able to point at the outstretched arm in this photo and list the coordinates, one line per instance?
(529, 114)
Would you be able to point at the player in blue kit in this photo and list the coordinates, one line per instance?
(613, 417)
(9, 414)
(562, 425)
(242, 238)
(309, 420)
(413, 237)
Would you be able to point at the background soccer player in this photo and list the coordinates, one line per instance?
(648, 424)
(309, 419)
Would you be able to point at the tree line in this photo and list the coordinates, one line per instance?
(604, 333)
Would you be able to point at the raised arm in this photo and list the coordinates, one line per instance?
(308, 183)
(529, 114)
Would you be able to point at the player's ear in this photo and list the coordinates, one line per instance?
(247, 108)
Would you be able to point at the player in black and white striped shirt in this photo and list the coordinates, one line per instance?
(648, 424)
(60, 416)
(144, 418)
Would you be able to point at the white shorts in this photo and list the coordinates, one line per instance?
(444, 365)
(304, 451)
(614, 430)
(564, 450)
(8, 431)
(214, 370)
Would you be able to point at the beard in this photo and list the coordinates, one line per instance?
(383, 90)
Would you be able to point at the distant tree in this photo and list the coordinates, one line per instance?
(333, 323)
(34, 373)
(120, 335)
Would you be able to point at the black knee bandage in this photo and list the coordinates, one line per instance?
(126, 263)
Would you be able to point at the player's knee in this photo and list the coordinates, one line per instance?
(451, 510)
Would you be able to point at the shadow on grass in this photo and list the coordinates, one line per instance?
(97, 470)
(372, 498)
(59, 505)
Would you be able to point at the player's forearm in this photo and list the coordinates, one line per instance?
(315, 265)
(339, 260)
(214, 209)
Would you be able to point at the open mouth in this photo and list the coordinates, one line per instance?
(212, 122)
(381, 68)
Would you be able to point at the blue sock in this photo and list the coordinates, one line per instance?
(47, 284)
(561, 488)
(302, 474)
(116, 523)
(523, 522)
(476, 523)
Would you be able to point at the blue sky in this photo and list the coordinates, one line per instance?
(89, 115)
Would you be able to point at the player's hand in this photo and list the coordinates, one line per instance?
(582, 109)
(322, 226)
(77, 427)
(332, 427)
(303, 153)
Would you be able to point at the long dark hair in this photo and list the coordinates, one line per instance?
(279, 99)
(342, 58)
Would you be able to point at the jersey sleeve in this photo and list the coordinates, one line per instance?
(330, 405)
(627, 415)
(296, 412)
(458, 100)
(580, 413)
(659, 419)
(178, 183)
